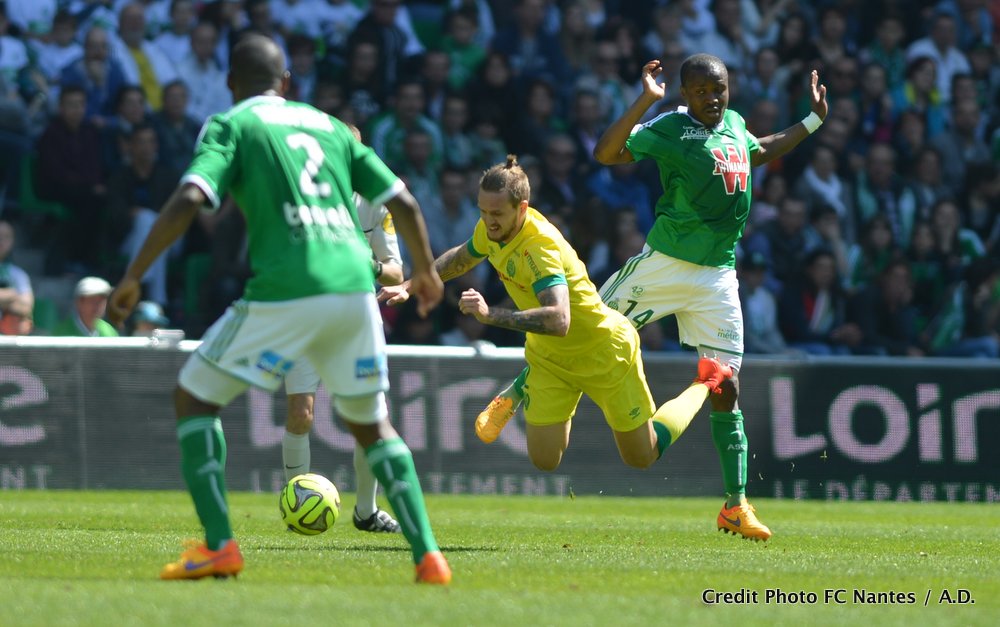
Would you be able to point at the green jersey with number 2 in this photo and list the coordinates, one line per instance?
(292, 170)
(705, 173)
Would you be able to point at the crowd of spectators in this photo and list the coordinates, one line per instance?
(880, 235)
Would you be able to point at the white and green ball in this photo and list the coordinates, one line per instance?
(309, 504)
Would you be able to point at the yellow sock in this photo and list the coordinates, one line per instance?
(677, 413)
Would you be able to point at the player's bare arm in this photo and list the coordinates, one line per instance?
(172, 222)
(552, 318)
(780, 143)
(452, 263)
(456, 262)
(610, 148)
(425, 283)
(392, 273)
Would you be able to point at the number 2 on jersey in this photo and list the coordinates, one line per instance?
(314, 160)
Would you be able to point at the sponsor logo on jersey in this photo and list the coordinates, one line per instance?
(274, 364)
(532, 265)
(728, 334)
(613, 304)
(733, 165)
(695, 132)
(369, 367)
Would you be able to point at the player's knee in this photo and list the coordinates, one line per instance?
(186, 405)
(640, 460)
(726, 399)
(546, 461)
(366, 409)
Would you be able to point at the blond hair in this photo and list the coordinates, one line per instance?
(507, 177)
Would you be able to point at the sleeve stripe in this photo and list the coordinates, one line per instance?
(472, 250)
(203, 185)
(547, 282)
(390, 193)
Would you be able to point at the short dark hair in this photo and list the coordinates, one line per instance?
(72, 90)
(701, 64)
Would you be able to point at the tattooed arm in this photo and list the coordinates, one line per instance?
(456, 262)
(552, 318)
(450, 264)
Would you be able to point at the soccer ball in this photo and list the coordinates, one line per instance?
(309, 504)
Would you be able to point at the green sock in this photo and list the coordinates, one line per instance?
(731, 443)
(203, 463)
(392, 464)
(663, 438)
(515, 390)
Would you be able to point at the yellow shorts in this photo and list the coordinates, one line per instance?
(611, 376)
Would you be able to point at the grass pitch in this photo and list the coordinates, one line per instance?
(92, 558)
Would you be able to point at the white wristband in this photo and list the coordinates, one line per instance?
(812, 122)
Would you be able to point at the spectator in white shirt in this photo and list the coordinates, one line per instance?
(298, 17)
(33, 17)
(940, 46)
(176, 42)
(203, 75)
(59, 50)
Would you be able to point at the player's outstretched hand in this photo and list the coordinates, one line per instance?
(393, 295)
(472, 303)
(818, 96)
(649, 85)
(428, 289)
(123, 300)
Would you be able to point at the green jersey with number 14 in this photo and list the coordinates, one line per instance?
(705, 173)
(292, 170)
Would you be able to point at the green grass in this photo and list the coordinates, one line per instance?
(92, 558)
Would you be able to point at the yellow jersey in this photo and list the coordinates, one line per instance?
(537, 258)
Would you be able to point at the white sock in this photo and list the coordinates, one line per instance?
(295, 454)
(367, 484)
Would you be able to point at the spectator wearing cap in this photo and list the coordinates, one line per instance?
(90, 299)
(148, 317)
(16, 318)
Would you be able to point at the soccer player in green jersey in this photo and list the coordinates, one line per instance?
(575, 343)
(293, 171)
(705, 154)
(302, 381)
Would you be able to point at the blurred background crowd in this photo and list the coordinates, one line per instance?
(878, 236)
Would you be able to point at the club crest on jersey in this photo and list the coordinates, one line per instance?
(510, 267)
(733, 165)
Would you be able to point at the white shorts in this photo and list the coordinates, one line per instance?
(705, 299)
(258, 343)
(302, 379)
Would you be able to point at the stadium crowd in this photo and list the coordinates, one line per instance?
(880, 236)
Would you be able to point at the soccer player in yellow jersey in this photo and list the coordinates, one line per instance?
(575, 343)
